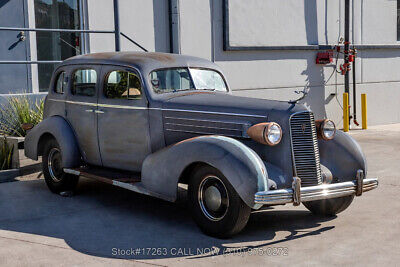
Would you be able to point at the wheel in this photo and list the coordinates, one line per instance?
(216, 207)
(329, 207)
(56, 179)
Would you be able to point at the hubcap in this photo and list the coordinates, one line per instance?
(55, 164)
(213, 198)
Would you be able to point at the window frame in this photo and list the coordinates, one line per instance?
(190, 74)
(105, 82)
(73, 81)
(64, 88)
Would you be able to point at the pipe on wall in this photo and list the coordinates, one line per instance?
(174, 20)
(116, 26)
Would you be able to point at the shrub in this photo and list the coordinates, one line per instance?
(18, 110)
(6, 153)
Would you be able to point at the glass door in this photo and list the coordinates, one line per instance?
(56, 14)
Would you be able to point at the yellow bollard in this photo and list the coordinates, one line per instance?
(364, 111)
(345, 112)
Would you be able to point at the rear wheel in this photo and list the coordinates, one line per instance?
(216, 207)
(56, 179)
(329, 207)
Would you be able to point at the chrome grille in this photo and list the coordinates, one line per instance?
(305, 148)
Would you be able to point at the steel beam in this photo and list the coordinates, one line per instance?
(51, 30)
(116, 26)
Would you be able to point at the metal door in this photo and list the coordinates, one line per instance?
(81, 108)
(123, 126)
(14, 46)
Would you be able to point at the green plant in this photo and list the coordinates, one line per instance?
(6, 153)
(18, 110)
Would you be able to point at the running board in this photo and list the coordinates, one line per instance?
(105, 175)
(124, 180)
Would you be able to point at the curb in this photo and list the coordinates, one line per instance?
(9, 175)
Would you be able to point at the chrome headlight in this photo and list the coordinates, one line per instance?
(273, 134)
(267, 133)
(326, 129)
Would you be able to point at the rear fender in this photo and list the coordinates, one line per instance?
(59, 129)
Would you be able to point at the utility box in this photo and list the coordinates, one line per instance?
(324, 57)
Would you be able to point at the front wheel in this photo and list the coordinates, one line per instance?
(216, 207)
(329, 207)
(56, 179)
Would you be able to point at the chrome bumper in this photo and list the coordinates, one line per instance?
(303, 194)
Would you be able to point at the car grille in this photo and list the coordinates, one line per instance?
(305, 148)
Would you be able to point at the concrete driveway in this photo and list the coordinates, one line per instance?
(111, 226)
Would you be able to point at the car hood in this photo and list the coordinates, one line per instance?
(224, 104)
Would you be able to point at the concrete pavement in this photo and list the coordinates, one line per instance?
(105, 225)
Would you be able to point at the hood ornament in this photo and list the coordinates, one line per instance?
(303, 128)
(304, 93)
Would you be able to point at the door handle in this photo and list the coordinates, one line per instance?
(99, 111)
(89, 110)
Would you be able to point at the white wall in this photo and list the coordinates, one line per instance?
(195, 26)
(272, 74)
(144, 21)
(379, 19)
(272, 22)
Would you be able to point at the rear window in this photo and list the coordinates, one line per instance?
(84, 82)
(61, 83)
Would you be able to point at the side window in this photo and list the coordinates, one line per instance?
(61, 83)
(121, 84)
(84, 82)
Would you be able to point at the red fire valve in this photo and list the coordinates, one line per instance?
(344, 68)
(324, 57)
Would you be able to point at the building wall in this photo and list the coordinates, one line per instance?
(275, 74)
(262, 72)
(145, 21)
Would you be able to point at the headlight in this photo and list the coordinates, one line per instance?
(267, 133)
(326, 129)
(273, 134)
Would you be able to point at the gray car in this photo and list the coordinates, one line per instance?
(148, 122)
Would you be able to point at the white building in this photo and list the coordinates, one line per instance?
(267, 48)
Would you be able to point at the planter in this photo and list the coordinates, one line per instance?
(18, 143)
(8, 175)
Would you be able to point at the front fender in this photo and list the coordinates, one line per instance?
(60, 129)
(342, 156)
(240, 165)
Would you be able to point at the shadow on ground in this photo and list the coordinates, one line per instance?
(106, 221)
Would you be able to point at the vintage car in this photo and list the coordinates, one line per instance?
(148, 122)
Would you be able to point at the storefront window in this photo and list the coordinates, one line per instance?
(56, 14)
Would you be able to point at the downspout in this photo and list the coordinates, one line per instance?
(346, 45)
(116, 26)
(354, 65)
(355, 91)
(175, 40)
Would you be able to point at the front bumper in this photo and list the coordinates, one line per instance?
(299, 194)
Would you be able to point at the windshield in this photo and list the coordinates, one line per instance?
(183, 79)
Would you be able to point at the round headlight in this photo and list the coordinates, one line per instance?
(327, 130)
(273, 134)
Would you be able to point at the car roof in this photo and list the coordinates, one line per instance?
(143, 61)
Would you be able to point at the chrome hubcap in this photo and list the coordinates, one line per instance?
(55, 164)
(213, 198)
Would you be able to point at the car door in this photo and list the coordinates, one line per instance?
(81, 108)
(123, 127)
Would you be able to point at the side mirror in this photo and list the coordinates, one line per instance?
(27, 126)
